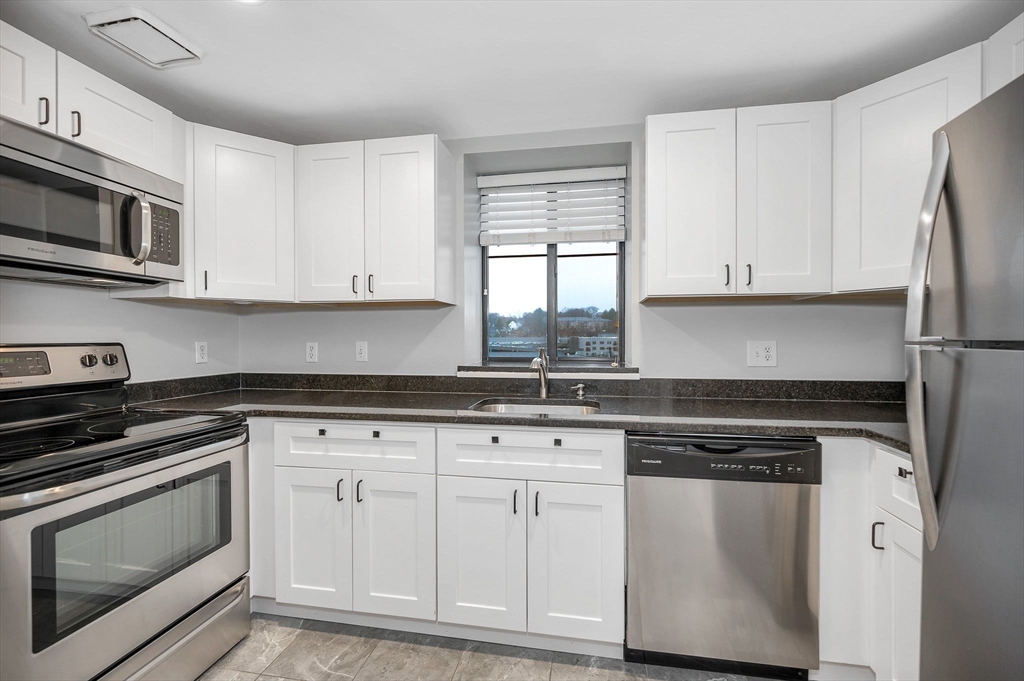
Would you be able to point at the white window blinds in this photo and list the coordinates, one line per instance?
(564, 206)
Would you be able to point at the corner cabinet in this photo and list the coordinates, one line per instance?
(883, 147)
(244, 216)
(1003, 55)
(28, 79)
(376, 221)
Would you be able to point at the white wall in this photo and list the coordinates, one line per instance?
(159, 339)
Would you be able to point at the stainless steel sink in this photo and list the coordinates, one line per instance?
(527, 405)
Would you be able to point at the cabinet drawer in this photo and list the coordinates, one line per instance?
(895, 492)
(364, 446)
(533, 454)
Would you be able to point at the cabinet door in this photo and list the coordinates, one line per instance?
(575, 552)
(394, 570)
(896, 581)
(313, 515)
(400, 225)
(329, 221)
(244, 216)
(784, 198)
(105, 115)
(883, 156)
(481, 552)
(691, 203)
(28, 79)
(1004, 55)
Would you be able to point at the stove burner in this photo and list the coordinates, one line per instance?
(116, 425)
(37, 447)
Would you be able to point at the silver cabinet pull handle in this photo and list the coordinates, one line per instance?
(147, 228)
(45, 101)
(726, 275)
(369, 283)
(355, 280)
(750, 274)
(76, 117)
(915, 322)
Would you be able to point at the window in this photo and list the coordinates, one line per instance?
(553, 241)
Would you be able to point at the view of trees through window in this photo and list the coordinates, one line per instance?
(586, 291)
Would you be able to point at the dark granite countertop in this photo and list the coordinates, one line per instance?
(883, 422)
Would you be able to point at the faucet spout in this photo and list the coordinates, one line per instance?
(540, 365)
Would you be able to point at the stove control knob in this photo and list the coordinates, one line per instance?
(110, 359)
(89, 360)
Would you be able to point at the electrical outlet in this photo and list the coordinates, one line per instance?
(202, 352)
(310, 352)
(762, 354)
(361, 351)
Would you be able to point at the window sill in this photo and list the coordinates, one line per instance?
(561, 372)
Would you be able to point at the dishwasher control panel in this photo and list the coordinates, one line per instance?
(750, 463)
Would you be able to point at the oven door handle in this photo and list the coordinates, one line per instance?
(29, 500)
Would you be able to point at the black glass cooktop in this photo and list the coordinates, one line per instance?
(34, 449)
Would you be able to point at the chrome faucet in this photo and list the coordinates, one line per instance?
(540, 364)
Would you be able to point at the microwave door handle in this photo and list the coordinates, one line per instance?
(147, 228)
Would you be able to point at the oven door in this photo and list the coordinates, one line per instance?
(87, 580)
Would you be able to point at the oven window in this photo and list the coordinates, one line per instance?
(42, 206)
(89, 563)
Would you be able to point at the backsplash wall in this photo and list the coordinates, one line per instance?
(158, 338)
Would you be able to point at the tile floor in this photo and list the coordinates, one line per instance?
(282, 648)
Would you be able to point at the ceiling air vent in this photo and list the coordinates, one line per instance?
(143, 36)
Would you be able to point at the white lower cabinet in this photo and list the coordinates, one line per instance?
(575, 561)
(394, 568)
(313, 518)
(896, 597)
(481, 552)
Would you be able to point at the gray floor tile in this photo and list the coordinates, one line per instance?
(323, 654)
(659, 673)
(222, 674)
(403, 656)
(493, 662)
(268, 637)
(568, 667)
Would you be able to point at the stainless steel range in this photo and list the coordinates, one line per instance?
(124, 547)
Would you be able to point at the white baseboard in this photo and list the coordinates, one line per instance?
(833, 671)
(523, 640)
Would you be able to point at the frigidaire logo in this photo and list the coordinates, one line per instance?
(42, 250)
(650, 460)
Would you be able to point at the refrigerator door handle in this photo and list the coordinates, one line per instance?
(915, 323)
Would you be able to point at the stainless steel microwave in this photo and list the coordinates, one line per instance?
(71, 215)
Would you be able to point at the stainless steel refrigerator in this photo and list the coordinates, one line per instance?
(965, 393)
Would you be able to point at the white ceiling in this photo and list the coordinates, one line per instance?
(304, 71)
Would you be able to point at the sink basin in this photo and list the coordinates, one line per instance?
(527, 405)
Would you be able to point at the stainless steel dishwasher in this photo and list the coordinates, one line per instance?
(722, 570)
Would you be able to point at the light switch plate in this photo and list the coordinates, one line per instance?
(762, 354)
(361, 351)
(311, 352)
(202, 352)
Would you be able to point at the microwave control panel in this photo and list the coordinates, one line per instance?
(166, 246)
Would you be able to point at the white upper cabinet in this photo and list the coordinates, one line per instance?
(784, 198)
(313, 514)
(105, 115)
(691, 203)
(481, 552)
(329, 221)
(1004, 55)
(883, 147)
(28, 79)
(575, 554)
(244, 216)
(409, 217)
(394, 558)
